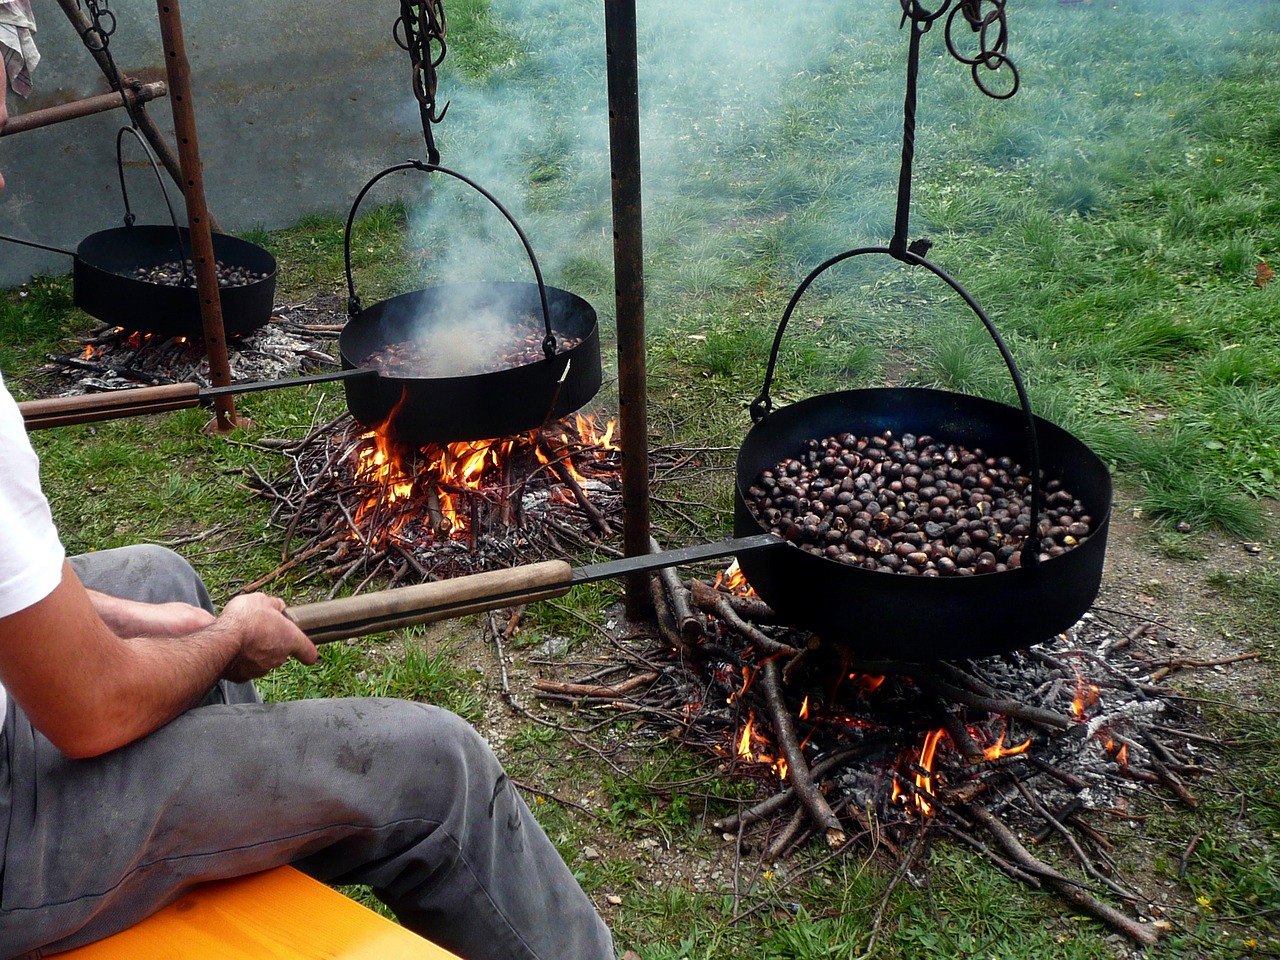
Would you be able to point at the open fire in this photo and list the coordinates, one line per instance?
(370, 510)
(1023, 757)
(420, 494)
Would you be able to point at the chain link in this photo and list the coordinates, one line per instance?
(986, 19)
(98, 39)
(98, 36)
(420, 30)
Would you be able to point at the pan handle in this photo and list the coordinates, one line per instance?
(38, 246)
(428, 602)
(353, 304)
(129, 217)
(90, 408)
(763, 404)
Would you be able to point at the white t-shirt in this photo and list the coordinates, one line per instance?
(31, 554)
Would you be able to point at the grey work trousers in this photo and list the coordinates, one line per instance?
(402, 796)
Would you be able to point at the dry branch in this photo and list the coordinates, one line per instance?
(1138, 931)
(797, 765)
(596, 690)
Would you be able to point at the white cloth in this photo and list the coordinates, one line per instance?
(18, 44)
(31, 554)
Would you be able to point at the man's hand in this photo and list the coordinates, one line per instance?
(91, 690)
(268, 637)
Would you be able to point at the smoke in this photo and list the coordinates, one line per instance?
(786, 116)
(713, 78)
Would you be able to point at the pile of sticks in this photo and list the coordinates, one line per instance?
(528, 510)
(1097, 725)
(112, 358)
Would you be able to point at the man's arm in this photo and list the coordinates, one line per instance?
(133, 618)
(90, 690)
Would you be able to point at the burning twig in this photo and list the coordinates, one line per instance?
(565, 476)
(110, 370)
(797, 765)
(713, 601)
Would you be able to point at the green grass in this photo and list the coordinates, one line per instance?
(1110, 219)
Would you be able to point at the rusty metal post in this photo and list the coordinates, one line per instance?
(184, 124)
(628, 269)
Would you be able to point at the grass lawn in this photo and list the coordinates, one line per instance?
(1116, 219)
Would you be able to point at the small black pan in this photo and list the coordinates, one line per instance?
(108, 285)
(478, 406)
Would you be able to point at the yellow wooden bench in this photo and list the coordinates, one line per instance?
(281, 914)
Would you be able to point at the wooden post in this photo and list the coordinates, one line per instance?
(628, 268)
(178, 71)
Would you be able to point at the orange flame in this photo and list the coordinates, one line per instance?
(1087, 695)
(744, 739)
(866, 683)
(746, 682)
(998, 749)
(749, 746)
(923, 781)
(733, 580)
(589, 435)
(1119, 753)
(395, 473)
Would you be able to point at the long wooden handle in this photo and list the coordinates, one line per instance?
(427, 602)
(91, 407)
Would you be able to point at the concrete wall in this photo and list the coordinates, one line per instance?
(297, 105)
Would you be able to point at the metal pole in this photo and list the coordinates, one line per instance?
(184, 124)
(35, 119)
(628, 268)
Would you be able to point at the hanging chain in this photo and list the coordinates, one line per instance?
(986, 19)
(98, 39)
(421, 30)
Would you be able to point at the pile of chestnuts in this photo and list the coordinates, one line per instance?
(913, 505)
(170, 274)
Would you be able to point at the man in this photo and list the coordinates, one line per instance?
(136, 761)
